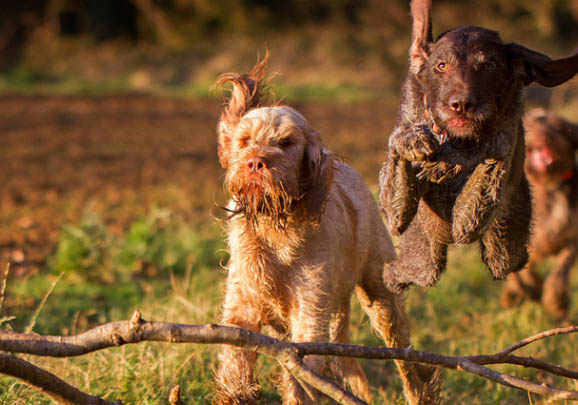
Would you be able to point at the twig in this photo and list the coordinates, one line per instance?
(41, 305)
(542, 335)
(3, 285)
(524, 362)
(295, 365)
(48, 383)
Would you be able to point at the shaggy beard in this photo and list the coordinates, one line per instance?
(255, 201)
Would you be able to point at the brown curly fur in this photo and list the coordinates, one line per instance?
(551, 144)
(304, 234)
(454, 170)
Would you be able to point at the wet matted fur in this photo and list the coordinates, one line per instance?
(304, 234)
(551, 145)
(455, 166)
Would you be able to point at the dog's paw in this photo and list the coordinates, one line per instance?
(392, 283)
(416, 146)
(247, 395)
(438, 171)
(464, 232)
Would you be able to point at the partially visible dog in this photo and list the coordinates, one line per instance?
(551, 145)
(455, 166)
(304, 233)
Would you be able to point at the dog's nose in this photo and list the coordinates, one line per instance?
(461, 103)
(256, 164)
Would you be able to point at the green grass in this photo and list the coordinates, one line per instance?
(171, 272)
(28, 82)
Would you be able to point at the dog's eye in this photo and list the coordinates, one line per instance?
(243, 142)
(285, 142)
(489, 66)
(441, 67)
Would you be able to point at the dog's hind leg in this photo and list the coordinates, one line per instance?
(555, 297)
(387, 315)
(526, 283)
(420, 260)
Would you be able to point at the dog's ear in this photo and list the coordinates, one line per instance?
(570, 132)
(539, 68)
(247, 91)
(421, 34)
(316, 177)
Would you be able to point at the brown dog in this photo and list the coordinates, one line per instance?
(455, 166)
(304, 233)
(551, 145)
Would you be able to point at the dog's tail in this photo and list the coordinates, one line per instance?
(248, 91)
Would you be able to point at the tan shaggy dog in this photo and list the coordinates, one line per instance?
(304, 233)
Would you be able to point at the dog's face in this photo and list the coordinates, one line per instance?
(465, 80)
(468, 75)
(550, 143)
(275, 162)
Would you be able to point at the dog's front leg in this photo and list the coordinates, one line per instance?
(400, 190)
(504, 246)
(399, 194)
(235, 379)
(476, 205)
(556, 297)
(309, 322)
(492, 182)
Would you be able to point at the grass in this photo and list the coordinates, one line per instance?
(170, 271)
(27, 82)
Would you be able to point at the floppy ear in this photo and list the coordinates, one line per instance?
(247, 91)
(539, 68)
(570, 132)
(316, 178)
(421, 36)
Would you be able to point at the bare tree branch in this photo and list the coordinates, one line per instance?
(525, 362)
(292, 361)
(3, 281)
(542, 335)
(48, 383)
(289, 354)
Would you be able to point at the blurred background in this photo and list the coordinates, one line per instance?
(178, 47)
(109, 178)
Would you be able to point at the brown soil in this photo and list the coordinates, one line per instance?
(121, 156)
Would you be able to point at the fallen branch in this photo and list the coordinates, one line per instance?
(47, 382)
(289, 354)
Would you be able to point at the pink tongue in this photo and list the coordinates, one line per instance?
(457, 123)
(540, 160)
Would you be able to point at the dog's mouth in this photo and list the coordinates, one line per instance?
(461, 126)
(540, 159)
(256, 202)
(448, 125)
(458, 127)
(263, 197)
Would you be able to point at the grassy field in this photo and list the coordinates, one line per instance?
(112, 203)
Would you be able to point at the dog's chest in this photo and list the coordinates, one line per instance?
(265, 265)
(556, 221)
(441, 197)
